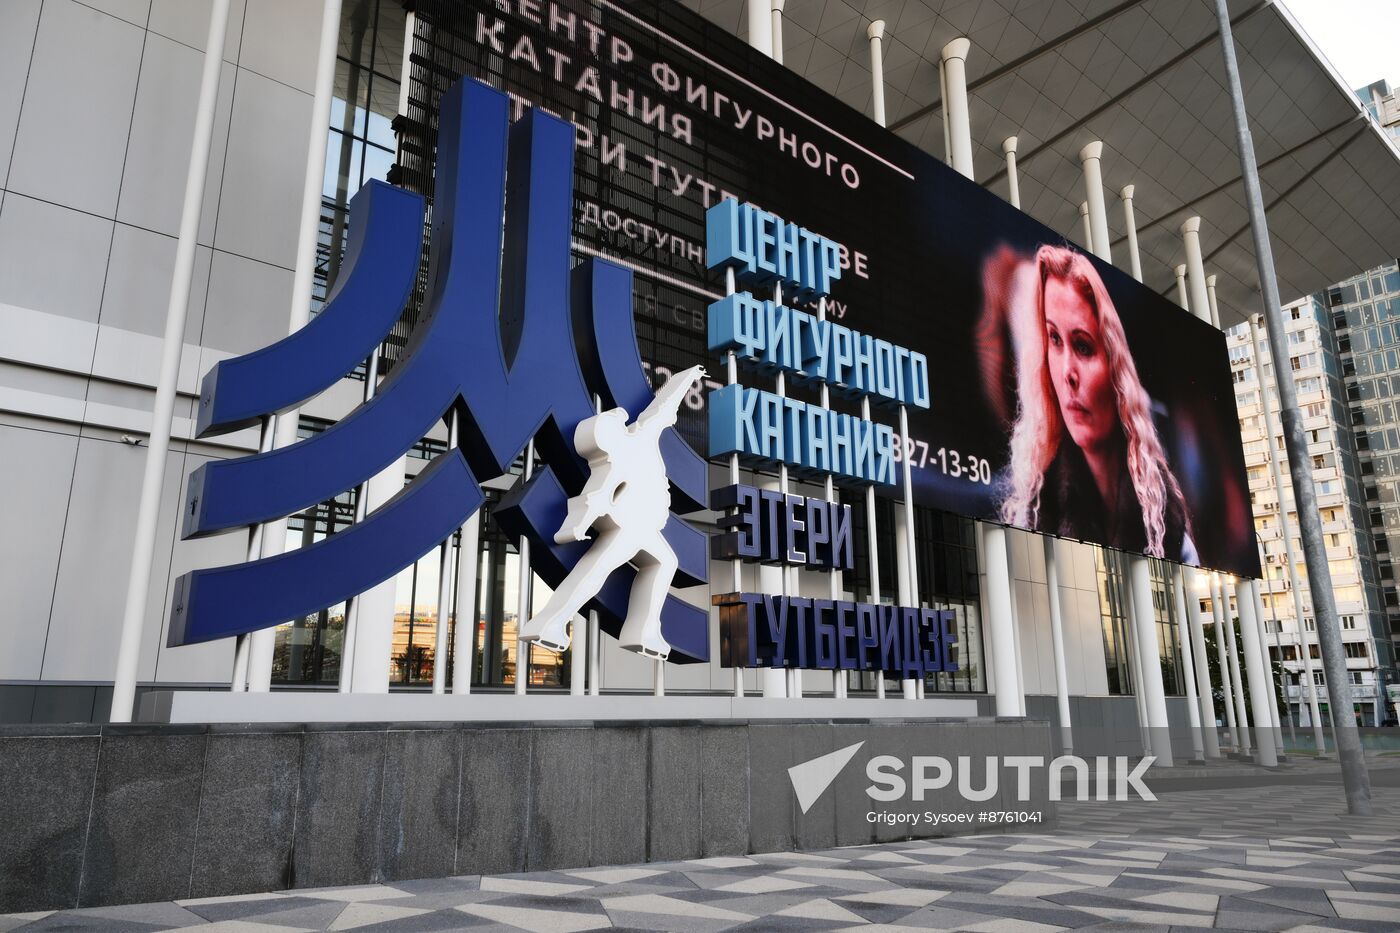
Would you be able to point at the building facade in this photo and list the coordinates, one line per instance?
(1316, 368)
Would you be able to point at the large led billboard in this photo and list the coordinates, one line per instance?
(1064, 396)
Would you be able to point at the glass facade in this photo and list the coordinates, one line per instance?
(1115, 604)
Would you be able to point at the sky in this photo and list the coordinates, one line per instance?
(1361, 38)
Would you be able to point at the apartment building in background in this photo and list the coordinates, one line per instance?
(1359, 578)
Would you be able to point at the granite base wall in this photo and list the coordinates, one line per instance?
(100, 815)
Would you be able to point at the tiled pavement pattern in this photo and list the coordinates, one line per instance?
(1270, 858)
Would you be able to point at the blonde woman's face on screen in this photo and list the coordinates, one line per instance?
(1079, 369)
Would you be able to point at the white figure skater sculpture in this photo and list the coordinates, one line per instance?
(628, 498)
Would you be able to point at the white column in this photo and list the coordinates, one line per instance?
(1214, 302)
(1205, 694)
(955, 104)
(594, 650)
(1057, 643)
(1153, 693)
(1222, 659)
(943, 96)
(1013, 180)
(1015, 622)
(1236, 671)
(776, 37)
(875, 33)
(1188, 666)
(1195, 268)
(465, 617)
(1000, 625)
(303, 279)
(761, 26)
(1268, 665)
(143, 544)
(1183, 296)
(1135, 663)
(1256, 669)
(907, 542)
(578, 656)
(364, 666)
(1091, 157)
(1088, 232)
(1130, 218)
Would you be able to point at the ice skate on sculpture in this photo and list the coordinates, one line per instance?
(628, 497)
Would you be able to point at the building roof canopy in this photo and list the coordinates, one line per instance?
(1146, 77)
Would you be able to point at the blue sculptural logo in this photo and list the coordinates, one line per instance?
(509, 337)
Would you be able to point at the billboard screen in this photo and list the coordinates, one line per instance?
(1065, 397)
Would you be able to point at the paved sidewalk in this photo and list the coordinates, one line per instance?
(1258, 858)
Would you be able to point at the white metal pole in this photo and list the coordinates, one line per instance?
(1153, 693)
(876, 33)
(594, 647)
(1236, 674)
(167, 382)
(578, 656)
(349, 638)
(464, 619)
(1188, 671)
(872, 547)
(1057, 643)
(839, 678)
(1183, 296)
(1088, 225)
(1130, 219)
(525, 584)
(736, 566)
(443, 635)
(303, 279)
(907, 540)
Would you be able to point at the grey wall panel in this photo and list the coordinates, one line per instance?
(41, 849)
(247, 814)
(673, 804)
(55, 258)
(491, 830)
(137, 292)
(162, 128)
(187, 22)
(422, 790)
(279, 41)
(249, 302)
(724, 790)
(618, 788)
(93, 568)
(144, 812)
(260, 202)
(135, 12)
(19, 23)
(73, 131)
(338, 809)
(36, 471)
(561, 788)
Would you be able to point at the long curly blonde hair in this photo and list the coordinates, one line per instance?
(1038, 428)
